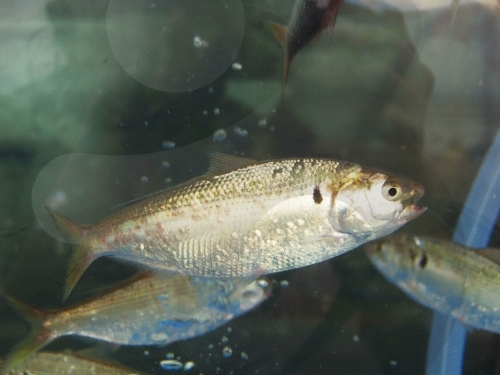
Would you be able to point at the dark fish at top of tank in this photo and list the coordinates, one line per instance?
(309, 18)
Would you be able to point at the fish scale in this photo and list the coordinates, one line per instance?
(208, 226)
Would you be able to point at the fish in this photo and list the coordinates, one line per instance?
(246, 218)
(309, 18)
(443, 276)
(425, 5)
(48, 363)
(492, 6)
(149, 309)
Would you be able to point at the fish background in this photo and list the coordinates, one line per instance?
(403, 92)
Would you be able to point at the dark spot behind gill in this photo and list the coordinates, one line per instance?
(423, 261)
(317, 197)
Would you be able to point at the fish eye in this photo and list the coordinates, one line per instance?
(392, 191)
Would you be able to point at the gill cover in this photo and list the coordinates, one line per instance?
(368, 207)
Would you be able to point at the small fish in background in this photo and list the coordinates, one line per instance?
(247, 218)
(443, 276)
(148, 310)
(309, 18)
(47, 363)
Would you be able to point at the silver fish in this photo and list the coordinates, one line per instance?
(247, 218)
(47, 363)
(148, 310)
(443, 276)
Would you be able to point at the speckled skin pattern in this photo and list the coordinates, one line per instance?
(443, 276)
(66, 364)
(156, 310)
(258, 219)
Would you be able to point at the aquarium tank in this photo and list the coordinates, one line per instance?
(190, 186)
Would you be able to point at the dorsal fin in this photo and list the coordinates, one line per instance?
(490, 253)
(221, 163)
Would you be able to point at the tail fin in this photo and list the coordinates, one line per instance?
(73, 231)
(79, 261)
(38, 337)
(279, 33)
(81, 257)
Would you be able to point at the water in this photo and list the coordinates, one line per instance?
(398, 89)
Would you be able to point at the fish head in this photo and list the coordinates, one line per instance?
(416, 266)
(374, 204)
(400, 257)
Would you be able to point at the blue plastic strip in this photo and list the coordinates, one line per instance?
(477, 220)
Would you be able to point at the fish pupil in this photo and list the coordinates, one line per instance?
(317, 197)
(392, 192)
(423, 261)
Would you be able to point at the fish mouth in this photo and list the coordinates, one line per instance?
(411, 212)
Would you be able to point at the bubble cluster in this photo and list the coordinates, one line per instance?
(219, 135)
(241, 132)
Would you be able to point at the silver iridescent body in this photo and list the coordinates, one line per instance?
(443, 276)
(149, 310)
(256, 218)
(47, 363)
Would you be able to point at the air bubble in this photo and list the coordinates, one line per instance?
(227, 352)
(262, 283)
(170, 355)
(189, 365)
(171, 364)
(199, 43)
(219, 135)
(241, 132)
(167, 145)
